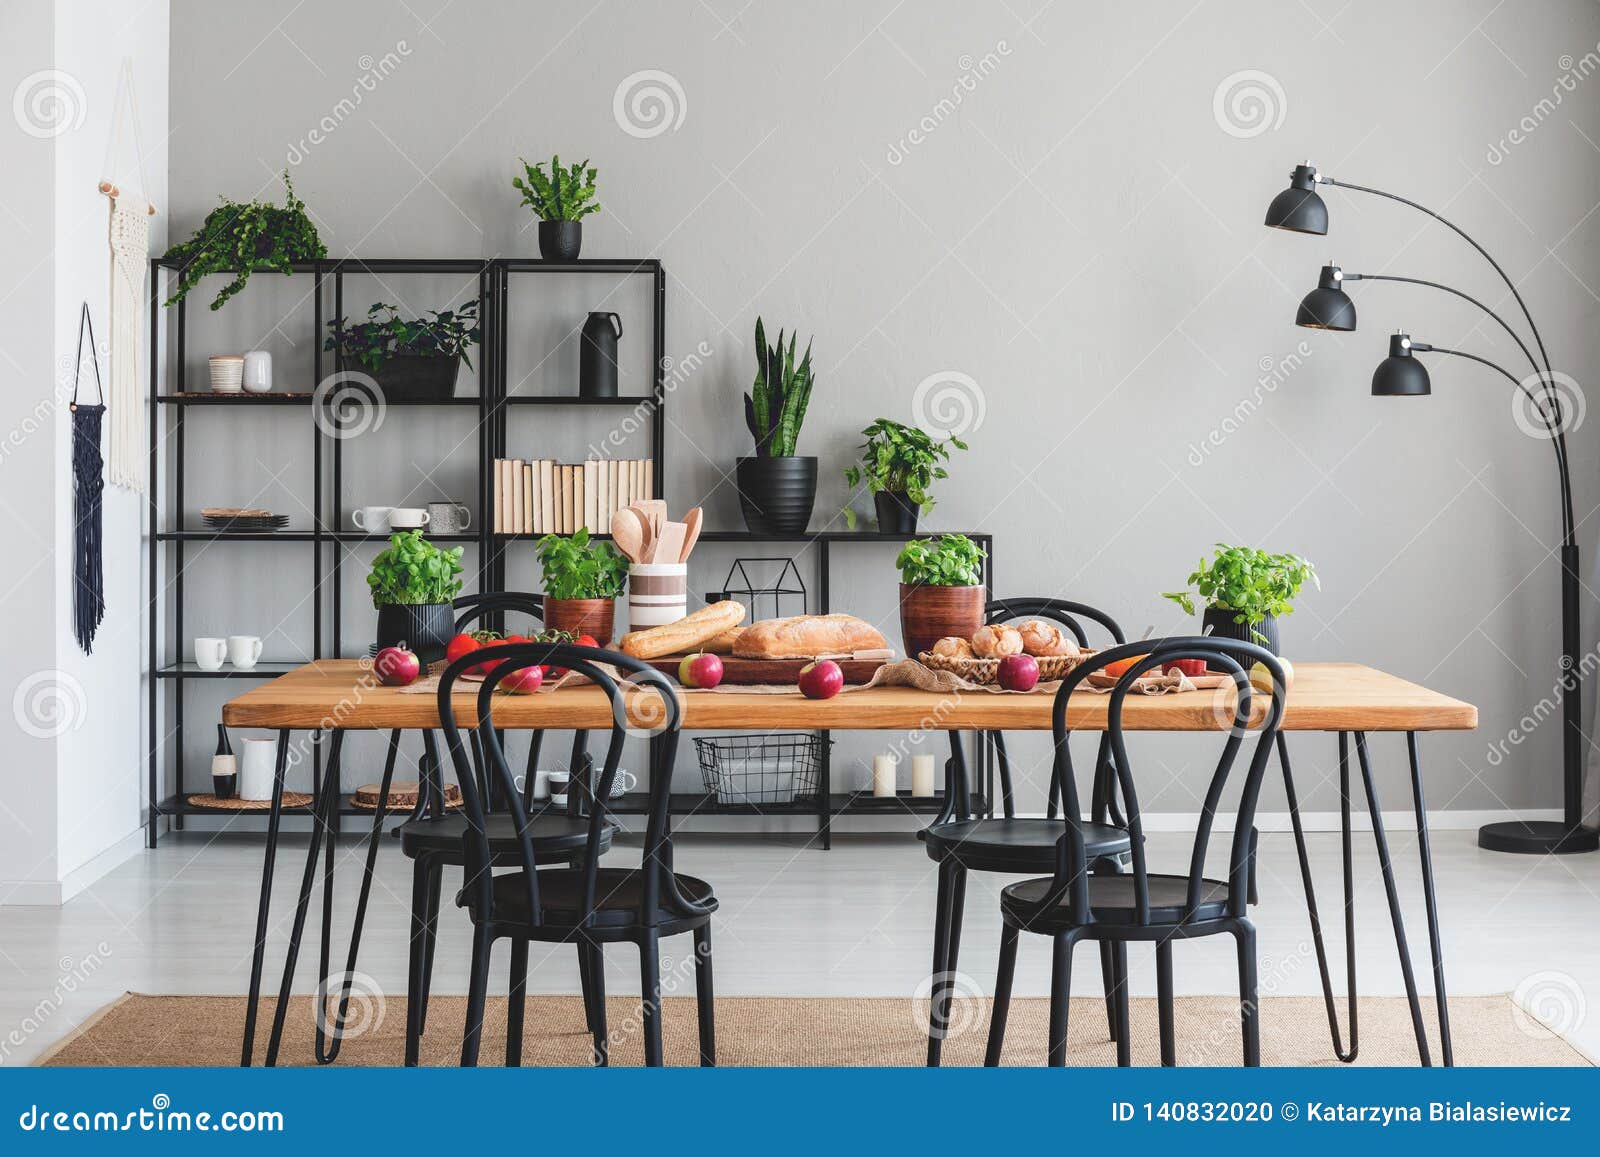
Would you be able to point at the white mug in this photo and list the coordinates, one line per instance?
(408, 518)
(623, 783)
(244, 650)
(556, 782)
(372, 519)
(210, 652)
(541, 783)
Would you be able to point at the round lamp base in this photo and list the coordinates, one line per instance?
(1537, 838)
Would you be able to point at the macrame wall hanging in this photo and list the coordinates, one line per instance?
(88, 578)
(130, 252)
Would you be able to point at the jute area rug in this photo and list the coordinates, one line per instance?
(208, 1030)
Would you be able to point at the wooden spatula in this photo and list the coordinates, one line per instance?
(669, 546)
(691, 533)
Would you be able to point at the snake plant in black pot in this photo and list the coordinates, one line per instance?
(777, 487)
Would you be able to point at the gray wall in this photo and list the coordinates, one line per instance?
(1060, 202)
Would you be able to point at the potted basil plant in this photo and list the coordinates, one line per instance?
(899, 464)
(413, 584)
(561, 198)
(410, 359)
(1246, 592)
(582, 579)
(941, 590)
(777, 488)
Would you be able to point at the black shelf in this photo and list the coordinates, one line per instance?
(575, 400)
(262, 670)
(237, 536)
(195, 399)
(686, 805)
(363, 536)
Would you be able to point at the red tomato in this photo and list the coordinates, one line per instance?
(587, 641)
(459, 646)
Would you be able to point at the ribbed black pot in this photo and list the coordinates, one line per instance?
(776, 494)
(411, 377)
(560, 240)
(897, 514)
(425, 628)
(1223, 627)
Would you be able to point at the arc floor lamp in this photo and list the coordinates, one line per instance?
(1300, 209)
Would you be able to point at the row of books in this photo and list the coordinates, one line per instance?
(550, 497)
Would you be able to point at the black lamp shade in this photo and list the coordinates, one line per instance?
(1298, 208)
(1400, 375)
(1327, 306)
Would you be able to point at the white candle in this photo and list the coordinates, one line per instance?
(922, 776)
(883, 775)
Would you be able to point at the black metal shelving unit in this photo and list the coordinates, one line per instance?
(495, 400)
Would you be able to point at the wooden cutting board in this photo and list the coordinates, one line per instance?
(771, 672)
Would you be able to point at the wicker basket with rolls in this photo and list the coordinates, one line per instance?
(977, 659)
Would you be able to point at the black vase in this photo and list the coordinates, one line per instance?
(560, 240)
(897, 514)
(224, 767)
(597, 356)
(425, 628)
(776, 494)
(1222, 626)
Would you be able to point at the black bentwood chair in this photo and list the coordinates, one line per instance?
(587, 906)
(1074, 904)
(1007, 843)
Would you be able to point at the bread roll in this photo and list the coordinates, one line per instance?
(952, 647)
(1041, 639)
(996, 642)
(687, 634)
(807, 636)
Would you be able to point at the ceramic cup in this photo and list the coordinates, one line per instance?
(257, 372)
(209, 653)
(258, 760)
(372, 519)
(408, 518)
(557, 781)
(448, 517)
(243, 651)
(658, 593)
(227, 374)
(624, 782)
(541, 783)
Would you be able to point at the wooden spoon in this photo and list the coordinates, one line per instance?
(691, 533)
(628, 532)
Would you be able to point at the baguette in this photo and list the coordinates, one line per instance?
(723, 643)
(807, 636)
(687, 634)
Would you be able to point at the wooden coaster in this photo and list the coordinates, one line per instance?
(402, 796)
(207, 800)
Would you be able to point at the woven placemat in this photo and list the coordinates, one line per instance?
(290, 799)
(402, 796)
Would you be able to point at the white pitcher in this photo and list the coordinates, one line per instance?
(258, 759)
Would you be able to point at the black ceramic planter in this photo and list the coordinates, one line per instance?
(560, 240)
(1222, 626)
(776, 494)
(425, 628)
(897, 514)
(412, 378)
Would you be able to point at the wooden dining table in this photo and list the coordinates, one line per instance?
(333, 697)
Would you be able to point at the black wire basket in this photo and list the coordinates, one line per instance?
(761, 769)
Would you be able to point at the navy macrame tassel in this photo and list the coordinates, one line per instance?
(88, 484)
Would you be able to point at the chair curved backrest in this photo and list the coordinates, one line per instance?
(473, 609)
(1232, 658)
(471, 613)
(600, 667)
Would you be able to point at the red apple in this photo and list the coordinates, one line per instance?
(397, 667)
(821, 680)
(1018, 673)
(700, 670)
(523, 681)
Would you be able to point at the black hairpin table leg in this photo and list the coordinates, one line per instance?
(1328, 1000)
(1425, 852)
(264, 907)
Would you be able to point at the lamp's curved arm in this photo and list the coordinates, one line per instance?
(1505, 325)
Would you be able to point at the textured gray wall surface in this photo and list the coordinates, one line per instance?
(1039, 222)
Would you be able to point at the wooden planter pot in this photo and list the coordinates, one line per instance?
(595, 617)
(929, 613)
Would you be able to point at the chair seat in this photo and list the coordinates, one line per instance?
(1015, 845)
(619, 892)
(556, 835)
(1111, 898)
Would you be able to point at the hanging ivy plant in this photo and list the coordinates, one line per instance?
(243, 238)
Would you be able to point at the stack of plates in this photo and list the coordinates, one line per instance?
(232, 518)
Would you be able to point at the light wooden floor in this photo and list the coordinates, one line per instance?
(798, 921)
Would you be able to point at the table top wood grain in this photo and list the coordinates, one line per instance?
(343, 693)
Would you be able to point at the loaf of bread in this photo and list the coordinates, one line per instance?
(807, 636)
(689, 633)
(723, 643)
(952, 647)
(1042, 639)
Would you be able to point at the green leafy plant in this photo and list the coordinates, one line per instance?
(379, 338)
(412, 571)
(1251, 583)
(242, 238)
(950, 560)
(561, 194)
(577, 568)
(775, 407)
(900, 459)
